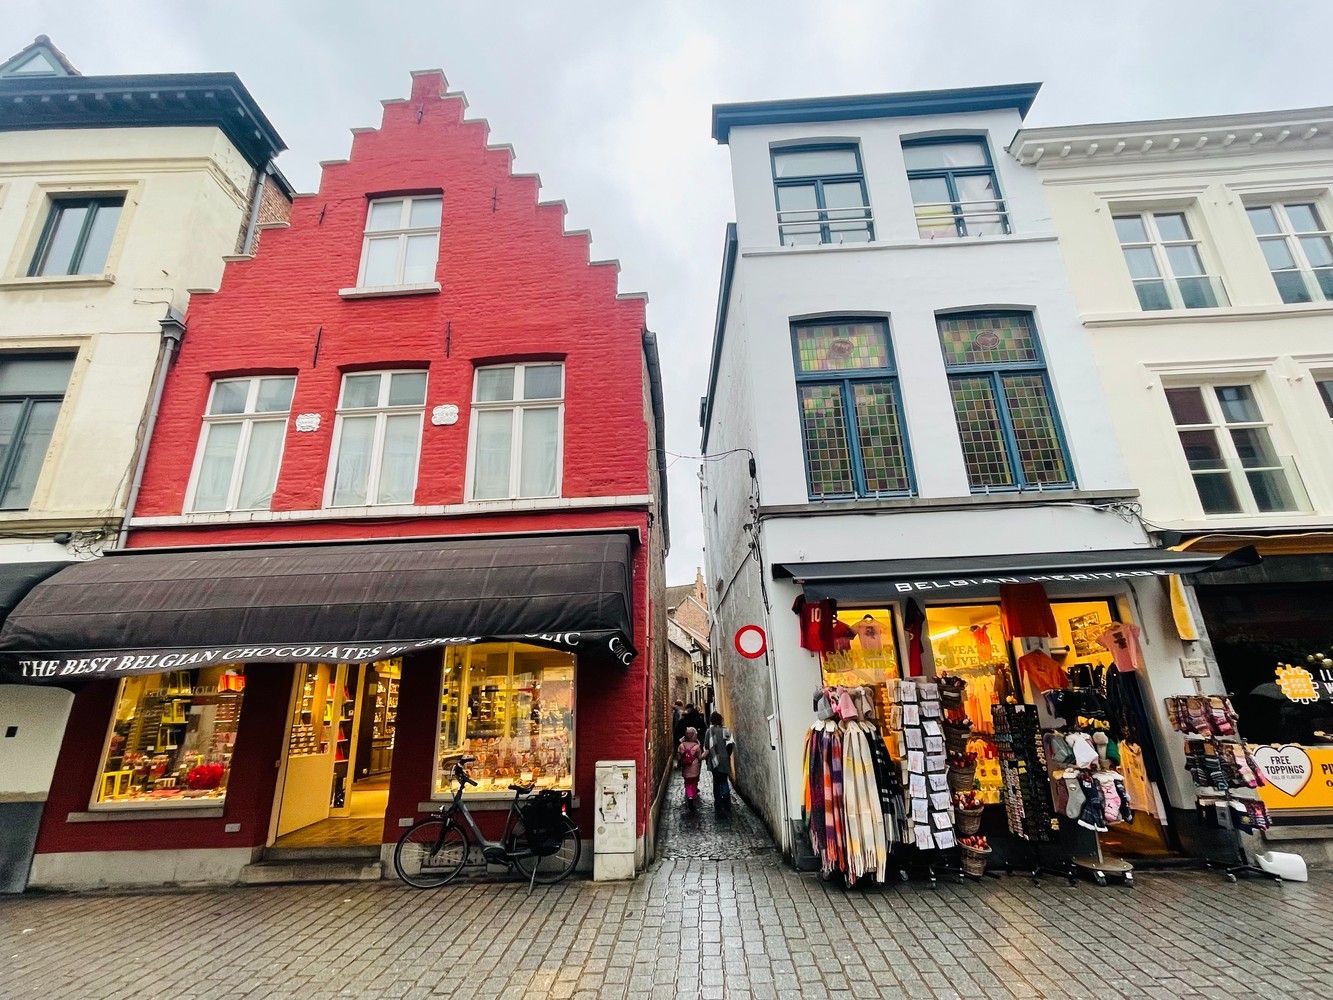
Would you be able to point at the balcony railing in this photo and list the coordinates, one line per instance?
(811, 226)
(953, 220)
(1196, 291)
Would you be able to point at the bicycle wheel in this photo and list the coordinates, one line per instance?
(552, 867)
(431, 853)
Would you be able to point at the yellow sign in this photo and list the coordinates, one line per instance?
(1298, 777)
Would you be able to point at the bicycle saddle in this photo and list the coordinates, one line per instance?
(523, 789)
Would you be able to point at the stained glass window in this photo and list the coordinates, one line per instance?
(1007, 422)
(851, 415)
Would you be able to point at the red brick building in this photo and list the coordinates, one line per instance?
(403, 499)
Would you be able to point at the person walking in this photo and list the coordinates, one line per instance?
(690, 717)
(719, 744)
(691, 754)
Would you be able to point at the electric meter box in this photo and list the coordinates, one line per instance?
(615, 820)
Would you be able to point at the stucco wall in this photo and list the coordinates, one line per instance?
(185, 201)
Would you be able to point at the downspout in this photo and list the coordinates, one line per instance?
(173, 332)
(256, 196)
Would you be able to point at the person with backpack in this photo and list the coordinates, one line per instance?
(691, 754)
(719, 744)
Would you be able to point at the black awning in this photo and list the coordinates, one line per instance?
(149, 611)
(16, 579)
(879, 579)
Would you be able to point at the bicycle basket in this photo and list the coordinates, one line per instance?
(544, 821)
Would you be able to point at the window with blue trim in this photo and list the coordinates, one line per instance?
(954, 188)
(821, 195)
(1002, 401)
(851, 410)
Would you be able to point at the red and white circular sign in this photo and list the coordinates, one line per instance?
(751, 642)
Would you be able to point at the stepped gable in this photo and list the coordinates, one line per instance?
(514, 284)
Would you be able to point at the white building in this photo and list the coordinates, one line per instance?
(890, 275)
(1201, 262)
(118, 196)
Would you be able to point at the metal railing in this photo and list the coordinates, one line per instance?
(1194, 291)
(956, 219)
(813, 226)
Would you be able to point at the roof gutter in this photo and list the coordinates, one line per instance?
(729, 251)
(173, 332)
(659, 421)
(256, 198)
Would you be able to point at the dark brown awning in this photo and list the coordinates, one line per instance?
(147, 611)
(879, 579)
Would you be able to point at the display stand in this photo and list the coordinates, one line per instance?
(1026, 784)
(1242, 866)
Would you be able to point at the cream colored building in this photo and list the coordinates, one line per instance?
(1202, 266)
(119, 195)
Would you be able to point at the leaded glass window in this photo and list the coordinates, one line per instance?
(1007, 420)
(851, 412)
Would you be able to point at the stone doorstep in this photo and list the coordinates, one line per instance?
(312, 870)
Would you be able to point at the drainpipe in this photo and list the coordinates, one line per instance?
(173, 332)
(256, 196)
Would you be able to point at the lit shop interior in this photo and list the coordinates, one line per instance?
(1072, 691)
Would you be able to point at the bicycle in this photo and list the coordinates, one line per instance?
(540, 841)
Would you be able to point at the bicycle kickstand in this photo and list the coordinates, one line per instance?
(532, 879)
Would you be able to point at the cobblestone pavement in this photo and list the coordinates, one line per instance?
(693, 927)
(704, 834)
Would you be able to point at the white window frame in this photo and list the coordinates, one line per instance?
(381, 411)
(247, 418)
(1295, 249)
(1157, 245)
(516, 430)
(401, 233)
(1235, 468)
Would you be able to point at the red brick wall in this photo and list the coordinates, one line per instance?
(514, 286)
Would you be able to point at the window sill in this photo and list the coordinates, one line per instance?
(816, 508)
(141, 811)
(899, 244)
(1219, 315)
(388, 291)
(60, 281)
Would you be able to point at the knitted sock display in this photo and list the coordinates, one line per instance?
(1074, 794)
(1126, 812)
(1110, 798)
(1092, 817)
(1101, 741)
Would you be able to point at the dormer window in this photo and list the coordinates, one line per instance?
(402, 242)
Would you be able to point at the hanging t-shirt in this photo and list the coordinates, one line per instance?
(871, 634)
(981, 636)
(1025, 610)
(842, 636)
(817, 619)
(1122, 639)
(1042, 671)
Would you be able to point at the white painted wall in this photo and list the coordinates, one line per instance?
(906, 280)
(186, 199)
(1258, 339)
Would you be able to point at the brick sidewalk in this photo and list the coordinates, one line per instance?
(691, 927)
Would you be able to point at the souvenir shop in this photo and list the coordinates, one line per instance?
(1272, 634)
(1003, 719)
(244, 657)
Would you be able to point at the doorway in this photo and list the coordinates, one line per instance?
(339, 755)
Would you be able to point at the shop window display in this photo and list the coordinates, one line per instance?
(865, 649)
(512, 707)
(172, 737)
(967, 643)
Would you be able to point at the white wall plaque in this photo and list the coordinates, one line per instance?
(444, 415)
(1193, 666)
(307, 421)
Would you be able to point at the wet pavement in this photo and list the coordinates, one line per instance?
(746, 927)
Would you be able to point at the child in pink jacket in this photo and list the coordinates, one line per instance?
(691, 753)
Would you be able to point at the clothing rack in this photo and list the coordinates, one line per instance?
(1242, 866)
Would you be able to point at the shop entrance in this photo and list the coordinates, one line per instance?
(335, 785)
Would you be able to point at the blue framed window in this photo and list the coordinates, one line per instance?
(821, 195)
(954, 188)
(1002, 402)
(851, 410)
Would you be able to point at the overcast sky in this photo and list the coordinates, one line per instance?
(610, 101)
